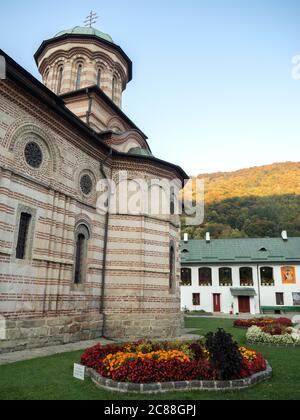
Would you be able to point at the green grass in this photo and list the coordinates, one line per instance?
(50, 378)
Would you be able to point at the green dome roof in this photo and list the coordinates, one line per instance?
(81, 30)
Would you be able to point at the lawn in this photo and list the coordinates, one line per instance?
(50, 378)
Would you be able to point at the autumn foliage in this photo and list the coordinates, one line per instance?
(256, 202)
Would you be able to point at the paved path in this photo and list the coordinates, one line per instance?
(20, 356)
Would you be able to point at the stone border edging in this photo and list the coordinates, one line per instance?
(254, 343)
(124, 387)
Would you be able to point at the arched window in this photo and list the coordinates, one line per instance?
(186, 277)
(82, 237)
(225, 276)
(114, 88)
(205, 276)
(78, 76)
(98, 82)
(60, 79)
(172, 268)
(267, 276)
(246, 276)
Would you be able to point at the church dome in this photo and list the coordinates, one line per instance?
(81, 30)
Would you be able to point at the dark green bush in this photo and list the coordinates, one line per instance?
(225, 356)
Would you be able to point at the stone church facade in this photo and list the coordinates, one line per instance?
(67, 271)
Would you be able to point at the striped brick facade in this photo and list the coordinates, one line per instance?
(38, 297)
(94, 57)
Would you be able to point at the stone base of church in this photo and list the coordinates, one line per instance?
(141, 326)
(42, 332)
(25, 334)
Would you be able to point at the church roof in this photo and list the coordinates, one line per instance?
(30, 84)
(226, 251)
(139, 151)
(81, 30)
(77, 33)
(108, 101)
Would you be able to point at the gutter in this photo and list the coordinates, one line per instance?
(104, 262)
(89, 111)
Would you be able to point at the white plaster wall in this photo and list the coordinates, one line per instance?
(267, 293)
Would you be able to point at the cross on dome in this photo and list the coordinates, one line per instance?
(91, 19)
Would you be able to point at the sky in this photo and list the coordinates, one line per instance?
(212, 79)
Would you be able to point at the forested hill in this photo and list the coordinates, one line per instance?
(262, 181)
(255, 202)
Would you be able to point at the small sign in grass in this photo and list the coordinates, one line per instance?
(79, 372)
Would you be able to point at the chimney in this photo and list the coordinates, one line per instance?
(186, 238)
(284, 235)
(208, 237)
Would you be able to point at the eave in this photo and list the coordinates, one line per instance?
(115, 47)
(29, 83)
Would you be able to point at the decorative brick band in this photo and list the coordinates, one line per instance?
(155, 388)
(272, 344)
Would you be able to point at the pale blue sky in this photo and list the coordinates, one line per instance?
(212, 83)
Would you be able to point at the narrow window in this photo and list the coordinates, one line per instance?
(267, 276)
(99, 78)
(78, 76)
(280, 299)
(46, 77)
(205, 276)
(60, 78)
(246, 276)
(172, 201)
(172, 268)
(82, 237)
(225, 275)
(186, 277)
(22, 243)
(196, 299)
(114, 89)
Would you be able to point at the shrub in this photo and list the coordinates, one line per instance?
(224, 354)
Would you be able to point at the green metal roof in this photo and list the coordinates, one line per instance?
(243, 291)
(224, 251)
(81, 30)
(139, 151)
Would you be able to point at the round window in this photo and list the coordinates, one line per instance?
(33, 155)
(86, 184)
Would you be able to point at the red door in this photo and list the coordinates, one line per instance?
(217, 303)
(244, 305)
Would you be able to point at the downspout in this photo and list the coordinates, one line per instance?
(259, 290)
(104, 262)
(89, 111)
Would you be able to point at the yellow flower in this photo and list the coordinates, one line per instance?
(113, 362)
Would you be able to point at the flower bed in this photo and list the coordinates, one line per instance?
(148, 362)
(262, 322)
(274, 335)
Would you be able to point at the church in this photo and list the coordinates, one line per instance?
(67, 271)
